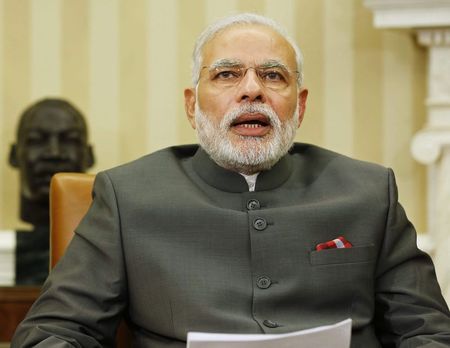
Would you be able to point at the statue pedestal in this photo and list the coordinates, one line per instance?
(7, 257)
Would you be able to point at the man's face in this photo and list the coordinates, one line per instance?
(51, 140)
(255, 114)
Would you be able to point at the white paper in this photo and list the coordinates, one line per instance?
(330, 336)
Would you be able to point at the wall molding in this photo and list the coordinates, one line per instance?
(410, 13)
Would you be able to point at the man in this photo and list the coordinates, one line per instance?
(51, 138)
(232, 236)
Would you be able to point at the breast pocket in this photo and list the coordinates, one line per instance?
(343, 279)
(342, 255)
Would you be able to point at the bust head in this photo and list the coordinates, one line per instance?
(51, 138)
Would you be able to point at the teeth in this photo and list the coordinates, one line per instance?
(251, 125)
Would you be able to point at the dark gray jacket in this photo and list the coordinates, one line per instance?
(176, 244)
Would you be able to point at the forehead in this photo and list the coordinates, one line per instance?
(52, 119)
(251, 44)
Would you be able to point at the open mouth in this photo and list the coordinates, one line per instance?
(251, 125)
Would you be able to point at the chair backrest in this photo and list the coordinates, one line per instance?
(70, 198)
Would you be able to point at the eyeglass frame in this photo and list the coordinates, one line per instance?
(259, 69)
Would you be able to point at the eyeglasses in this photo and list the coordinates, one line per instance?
(275, 77)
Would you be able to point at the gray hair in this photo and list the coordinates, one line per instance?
(244, 18)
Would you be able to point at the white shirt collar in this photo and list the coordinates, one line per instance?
(251, 181)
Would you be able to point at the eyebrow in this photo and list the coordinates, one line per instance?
(227, 63)
(274, 63)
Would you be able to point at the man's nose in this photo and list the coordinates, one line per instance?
(251, 88)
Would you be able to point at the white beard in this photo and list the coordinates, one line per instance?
(245, 154)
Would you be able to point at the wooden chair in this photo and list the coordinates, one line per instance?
(70, 198)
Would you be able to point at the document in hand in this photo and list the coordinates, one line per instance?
(330, 336)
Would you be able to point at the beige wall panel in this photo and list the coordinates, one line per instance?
(417, 199)
(45, 48)
(338, 68)
(75, 54)
(16, 95)
(283, 11)
(192, 18)
(133, 88)
(256, 6)
(400, 120)
(3, 154)
(368, 82)
(214, 9)
(162, 32)
(309, 33)
(1, 61)
(103, 108)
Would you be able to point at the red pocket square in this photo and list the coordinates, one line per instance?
(339, 242)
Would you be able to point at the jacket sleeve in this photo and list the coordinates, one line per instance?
(85, 295)
(410, 309)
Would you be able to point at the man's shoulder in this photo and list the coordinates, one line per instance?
(156, 163)
(319, 157)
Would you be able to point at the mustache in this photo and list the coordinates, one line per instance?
(251, 108)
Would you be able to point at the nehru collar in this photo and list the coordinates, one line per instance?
(227, 180)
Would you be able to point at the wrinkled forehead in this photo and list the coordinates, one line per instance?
(51, 119)
(251, 44)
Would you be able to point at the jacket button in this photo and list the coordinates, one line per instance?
(253, 204)
(259, 224)
(271, 324)
(263, 282)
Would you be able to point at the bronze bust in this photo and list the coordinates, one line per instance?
(51, 137)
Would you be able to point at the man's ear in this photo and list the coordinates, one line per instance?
(189, 105)
(90, 159)
(13, 160)
(302, 96)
